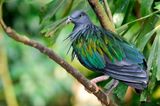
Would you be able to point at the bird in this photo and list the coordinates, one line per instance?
(105, 52)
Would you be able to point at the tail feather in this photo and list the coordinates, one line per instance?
(134, 78)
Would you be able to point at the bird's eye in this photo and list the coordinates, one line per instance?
(80, 15)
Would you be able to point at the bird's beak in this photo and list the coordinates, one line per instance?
(69, 20)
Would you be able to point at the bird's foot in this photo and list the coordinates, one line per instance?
(97, 88)
(96, 80)
(110, 89)
(112, 86)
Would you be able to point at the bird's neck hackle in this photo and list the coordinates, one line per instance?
(77, 25)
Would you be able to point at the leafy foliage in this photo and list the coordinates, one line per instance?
(138, 22)
(37, 82)
(52, 22)
(120, 91)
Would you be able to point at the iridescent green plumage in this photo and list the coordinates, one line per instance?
(103, 51)
(93, 45)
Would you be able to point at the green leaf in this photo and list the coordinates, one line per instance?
(130, 34)
(151, 85)
(120, 90)
(153, 53)
(129, 24)
(157, 5)
(146, 7)
(152, 63)
(153, 77)
(158, 57)
(120, 12)
(51, 28)
(65, 9)
(148, 24)
(143, 96)
(145, 39)
(49, 10)
(148, 29)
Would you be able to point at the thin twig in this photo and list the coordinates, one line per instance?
(51, 54)
(125, 26)
(108, 11)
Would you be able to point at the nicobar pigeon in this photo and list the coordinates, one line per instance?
(103, 51)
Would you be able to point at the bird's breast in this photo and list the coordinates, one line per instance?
(88, 54)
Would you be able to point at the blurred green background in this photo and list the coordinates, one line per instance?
(37, 81)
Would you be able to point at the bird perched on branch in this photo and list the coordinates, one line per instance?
(103, 51)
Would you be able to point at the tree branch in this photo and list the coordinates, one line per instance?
(108, 11)
(103, 18)
(75, 73)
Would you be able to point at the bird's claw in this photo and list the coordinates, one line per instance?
(96, 90)
(96, 80)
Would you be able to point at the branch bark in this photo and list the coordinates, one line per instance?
(102, 16)
(108, 11)
(51, 54)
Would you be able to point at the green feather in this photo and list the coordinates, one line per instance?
(94, 45)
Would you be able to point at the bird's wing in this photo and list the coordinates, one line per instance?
(132, 68)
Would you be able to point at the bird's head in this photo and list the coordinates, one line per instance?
(78, 18)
